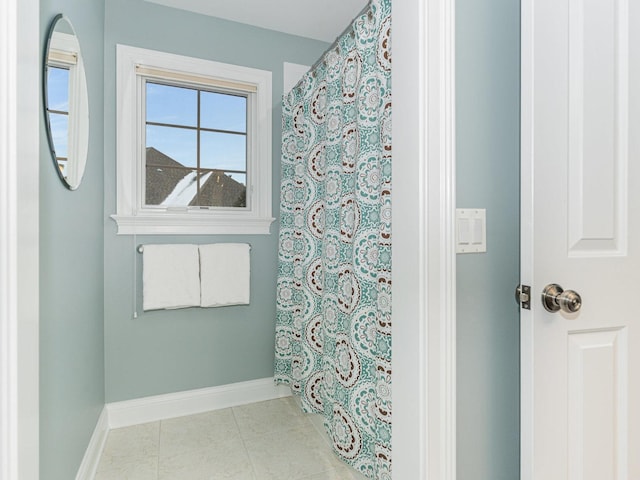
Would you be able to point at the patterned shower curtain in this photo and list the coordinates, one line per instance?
(333, 333)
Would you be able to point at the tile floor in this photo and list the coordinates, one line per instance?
(260, 441)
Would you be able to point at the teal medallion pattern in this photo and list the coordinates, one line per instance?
(333, 332)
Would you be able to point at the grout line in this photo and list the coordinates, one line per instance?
(158, 460)
(244, 445)
(321, 429)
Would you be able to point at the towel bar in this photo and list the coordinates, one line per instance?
(140, 248)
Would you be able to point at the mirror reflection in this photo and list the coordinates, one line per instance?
(66, 102)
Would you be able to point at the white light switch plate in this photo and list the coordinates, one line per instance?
(471, 230)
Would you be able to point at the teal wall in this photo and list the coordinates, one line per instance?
(169, 351)
(71, 271)
(487, 96)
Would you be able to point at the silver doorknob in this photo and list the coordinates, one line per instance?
(554, 298)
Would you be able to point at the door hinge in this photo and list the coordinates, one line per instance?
(523, 296)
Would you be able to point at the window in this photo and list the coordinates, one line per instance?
(194, 145)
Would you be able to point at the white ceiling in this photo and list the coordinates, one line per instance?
(318, 19)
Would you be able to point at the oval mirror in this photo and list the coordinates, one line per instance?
(66, 102)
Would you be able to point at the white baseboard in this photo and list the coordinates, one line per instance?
(92, 455)
(171, 405)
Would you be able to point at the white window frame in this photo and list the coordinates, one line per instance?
(132, 216)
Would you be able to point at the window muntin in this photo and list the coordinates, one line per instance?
(196, 147)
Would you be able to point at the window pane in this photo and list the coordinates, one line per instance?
(172, 105)
(239, 177)
(220, 190)
(58, 89)
(178, 144)
(60, 133)
(168, 186)
(223, 151)
(221, 111)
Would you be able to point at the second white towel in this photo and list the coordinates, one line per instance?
(224, 274)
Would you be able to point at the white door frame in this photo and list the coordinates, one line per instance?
(424, 334)
(526, 239)
(19, 292)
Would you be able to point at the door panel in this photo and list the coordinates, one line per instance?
(597, 403)
(598, 48)
(581, 229)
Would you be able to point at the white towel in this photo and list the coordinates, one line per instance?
(224, 274)
(170, 277)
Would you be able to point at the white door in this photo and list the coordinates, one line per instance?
(581, 230)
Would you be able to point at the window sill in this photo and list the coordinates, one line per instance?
(191, 224)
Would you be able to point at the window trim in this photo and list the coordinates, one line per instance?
(132, 217)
